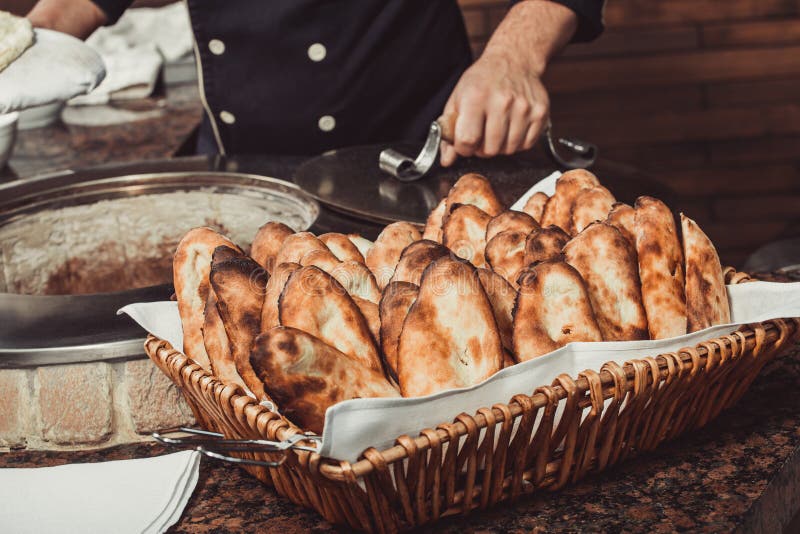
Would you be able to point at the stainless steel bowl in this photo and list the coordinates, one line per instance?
(56, 329)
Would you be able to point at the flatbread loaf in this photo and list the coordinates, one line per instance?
(591, 205)
(270, 317)
(268, 242)
(383, 257)
(465, 233)
(296, 246)
(505, 254)
(217, 344)
(395, 303)
(190, 268)
(706, 297)
(552, 309)
(239, 285)
(558, 210)
(660, 269)
(314, 302)
(372, 315)
(450, 338)
(358, 280)
(607, 263)
(501, 297)
(324, 259)
(535, 205)
(342, 247)
(16, 35)
(415, 258)
(510, 220)
(623, 217)
(433, 226)
(362, 244)
(473, 190)
(545, 244)
(306, 376)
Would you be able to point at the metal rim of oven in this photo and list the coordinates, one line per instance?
(22, 197)
(35, 192)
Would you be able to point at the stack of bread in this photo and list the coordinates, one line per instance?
(307, 321)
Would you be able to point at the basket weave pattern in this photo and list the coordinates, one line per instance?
(505, 450)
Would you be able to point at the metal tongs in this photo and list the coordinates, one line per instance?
(407, 169)
(214, 444)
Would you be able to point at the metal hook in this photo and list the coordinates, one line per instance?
(586, 153)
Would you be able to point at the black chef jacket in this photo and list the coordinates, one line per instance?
(304, 76)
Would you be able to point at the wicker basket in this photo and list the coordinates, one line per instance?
(506, 450)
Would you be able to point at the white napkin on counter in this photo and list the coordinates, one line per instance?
(57, 67)
(354, 425)
(144, 495)
(135, 49)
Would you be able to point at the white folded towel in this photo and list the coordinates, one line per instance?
(141, 495)
(57, 67)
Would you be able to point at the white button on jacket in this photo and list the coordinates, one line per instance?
(317, 52)
(326, 123)
(227, 117)
(216, 47)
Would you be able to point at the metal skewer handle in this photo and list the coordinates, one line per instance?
(213, 445)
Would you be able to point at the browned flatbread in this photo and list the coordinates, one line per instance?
(660, 269)
(558, 210)
(607, 263)
(342, 247)
(239, 285)
(296, 246)
(473, 190)
(315, 302)
(268, 242)
(395, 303)
(501, 297)
(450, 338)
(433, 226)
(545, 244)
(552, 309)
(415, 258)
(190, 268)
(510, 220)
(706, 297)
(465, 233)
(215, 338)
(218, 345)
(623, 217)
(505, 254)
(591, 205)
(270, 317)
(306, 376)
(362, 244)
(370, 312)
(535, 205)
(324, 259)
(357, 279)
(383, 257)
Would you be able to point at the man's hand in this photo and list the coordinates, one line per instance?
(501, 103)
(75, 17)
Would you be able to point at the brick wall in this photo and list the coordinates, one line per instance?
(703, 94)
(87, 405)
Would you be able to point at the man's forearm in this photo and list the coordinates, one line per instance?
(75, 17)
(535, 30)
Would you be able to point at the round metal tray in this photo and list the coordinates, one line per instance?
(56, 329)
